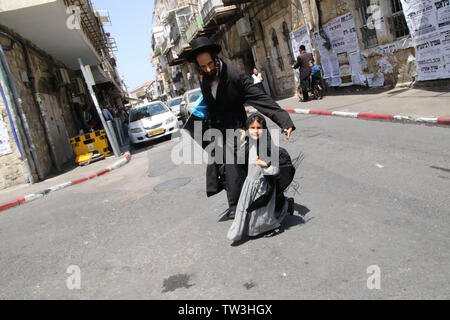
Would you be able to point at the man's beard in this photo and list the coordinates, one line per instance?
(212, 74)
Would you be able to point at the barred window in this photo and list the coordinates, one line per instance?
(398, 22)
(369, 33)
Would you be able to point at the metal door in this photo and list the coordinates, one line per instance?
(56, 129)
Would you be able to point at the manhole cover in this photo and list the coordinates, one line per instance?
(172, 184)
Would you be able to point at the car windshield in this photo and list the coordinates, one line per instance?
(174, 102)
(146, 111)
(193, 96)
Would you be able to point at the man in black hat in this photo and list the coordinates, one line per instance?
(225, 90)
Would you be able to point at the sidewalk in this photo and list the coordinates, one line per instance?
(71, 176)
(417, 102)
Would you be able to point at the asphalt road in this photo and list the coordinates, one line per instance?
(371, 194)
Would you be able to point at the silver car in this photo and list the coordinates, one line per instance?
(174, 105)
(188, 100)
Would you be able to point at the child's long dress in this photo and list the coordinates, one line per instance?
(262, 219)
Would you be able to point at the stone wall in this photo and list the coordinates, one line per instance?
(393, 65)
(43, 70)
(12, 169)
(274, 60)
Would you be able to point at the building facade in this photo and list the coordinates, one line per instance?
(43, 89)
(357, 42)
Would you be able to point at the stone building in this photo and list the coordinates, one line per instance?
(42, 88)
(383, 42)
(357, 42)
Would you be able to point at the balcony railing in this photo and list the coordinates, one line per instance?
(195, 26)
(231, 2)
(212, 8)
(181, 45)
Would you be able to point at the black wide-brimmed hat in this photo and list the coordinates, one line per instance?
(200, 45)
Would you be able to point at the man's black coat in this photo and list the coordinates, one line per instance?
(236, 88)
(227, 112)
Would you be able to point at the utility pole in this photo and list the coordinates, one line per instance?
(87, 74)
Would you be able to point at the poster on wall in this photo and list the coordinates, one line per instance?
(300, 37)
(323, 51)
(443, 13)
(429, 24)
(445, 40)
(5, 147)
(339, 61)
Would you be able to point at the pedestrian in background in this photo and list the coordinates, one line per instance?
(107, 115)
(91, 118)
(258, 79)
(305, 70)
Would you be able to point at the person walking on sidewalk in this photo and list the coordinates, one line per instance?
(258, 79)
(225, 90)
(305, 70)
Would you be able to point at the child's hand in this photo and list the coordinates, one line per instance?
(258, 162)
(243, 134)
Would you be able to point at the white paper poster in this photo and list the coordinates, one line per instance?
(334, 66)
(443, 13)
(420, 16)
(445, 41)
(5, 147)
(300, 37)
(429, 23)
(336, 62)
(355, 64)
(349, 32)
(324, 53)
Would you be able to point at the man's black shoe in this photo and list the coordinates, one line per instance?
(291, 206)
(231, 214)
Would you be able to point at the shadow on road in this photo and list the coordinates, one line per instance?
(145, 146)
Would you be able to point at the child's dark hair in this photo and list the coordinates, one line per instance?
(258, 118)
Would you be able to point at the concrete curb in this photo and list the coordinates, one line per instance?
(361, 115)
(34, 196)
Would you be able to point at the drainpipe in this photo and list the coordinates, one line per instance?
(9, 80)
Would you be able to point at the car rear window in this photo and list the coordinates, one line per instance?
(194, 96)
(175, 102)
(147, 111)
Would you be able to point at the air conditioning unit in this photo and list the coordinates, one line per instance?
(78, 86)
(62, 77)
